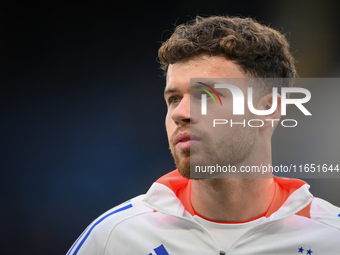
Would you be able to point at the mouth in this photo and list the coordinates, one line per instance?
(185, 140)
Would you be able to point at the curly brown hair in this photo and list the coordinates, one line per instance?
(259, 50)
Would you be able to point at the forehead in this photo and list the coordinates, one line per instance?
(203, 66)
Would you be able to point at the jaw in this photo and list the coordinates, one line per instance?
(182, 161)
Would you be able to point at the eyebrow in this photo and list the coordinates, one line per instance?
(170, 91)
(194, 86)
(198, 85)
(176, 90)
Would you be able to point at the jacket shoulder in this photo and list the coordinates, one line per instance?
(94, 238)
(324, 212)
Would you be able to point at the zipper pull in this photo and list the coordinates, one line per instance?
(222, 252)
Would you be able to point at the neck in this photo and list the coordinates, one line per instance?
(232, 199)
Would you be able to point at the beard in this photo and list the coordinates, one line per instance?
(182, 162)
(233, 149)
(181, 157)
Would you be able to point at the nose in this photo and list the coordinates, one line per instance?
(181, 114)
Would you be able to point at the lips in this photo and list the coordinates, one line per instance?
(184, 140)
(183, 137)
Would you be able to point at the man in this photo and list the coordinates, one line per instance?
(184, 215)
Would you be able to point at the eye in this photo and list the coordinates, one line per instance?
(173, 100)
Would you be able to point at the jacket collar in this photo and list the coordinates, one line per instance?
(170, 194)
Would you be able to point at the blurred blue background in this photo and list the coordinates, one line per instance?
(82, 109)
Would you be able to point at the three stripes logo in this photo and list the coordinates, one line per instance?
(204, 97)
(160, 250)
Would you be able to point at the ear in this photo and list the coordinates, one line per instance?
(270, 120)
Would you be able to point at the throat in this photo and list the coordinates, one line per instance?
(232, 200)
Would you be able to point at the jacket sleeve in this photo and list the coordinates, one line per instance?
(93, 240)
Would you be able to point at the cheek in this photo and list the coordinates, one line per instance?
(168, 123)
(225, 111)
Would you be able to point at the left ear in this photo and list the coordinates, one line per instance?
(266, 103)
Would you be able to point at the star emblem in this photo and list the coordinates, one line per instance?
(309, 251)
(301, 250)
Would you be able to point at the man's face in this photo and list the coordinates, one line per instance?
(192, 138)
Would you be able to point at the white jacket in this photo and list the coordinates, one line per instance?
(161, 222)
